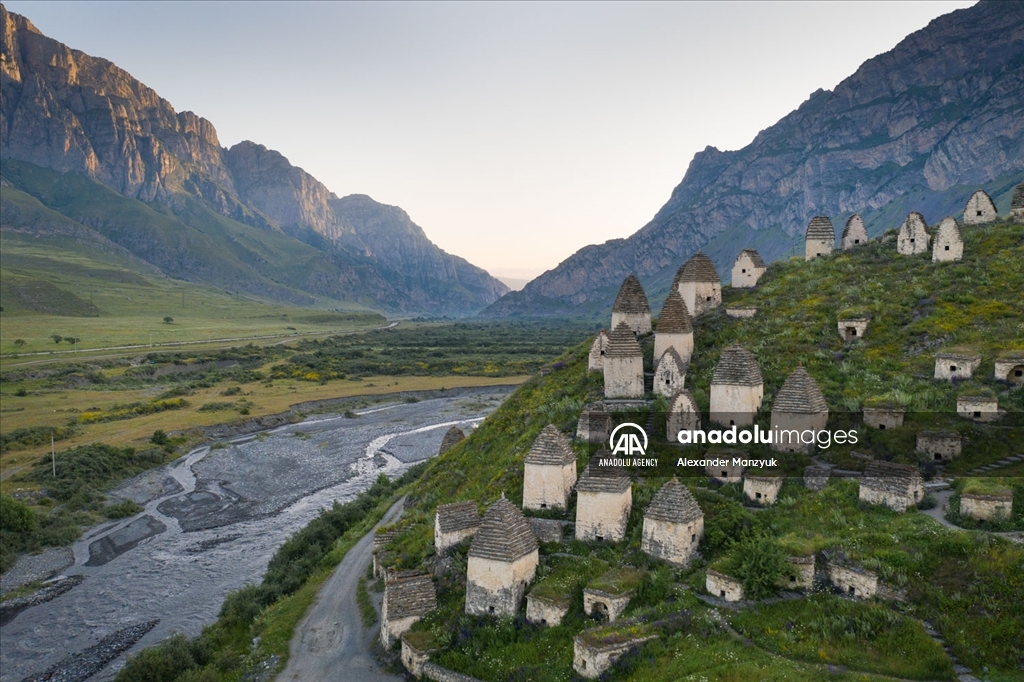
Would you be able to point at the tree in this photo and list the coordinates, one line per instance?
(19, 342)
(72, 339)
(168, 319)
(159, 438)
(57, 338)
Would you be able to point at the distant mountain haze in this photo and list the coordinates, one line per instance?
(920, 127)
(242, 217)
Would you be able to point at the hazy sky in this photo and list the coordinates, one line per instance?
(514, 134)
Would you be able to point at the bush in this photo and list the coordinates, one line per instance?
(31, 436)
(15, 516)
(759, 563)
(241, 607)
(166, 661)
(159, 437)
(87, 469)
(122, 510)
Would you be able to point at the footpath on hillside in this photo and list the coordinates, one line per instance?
(330, 642)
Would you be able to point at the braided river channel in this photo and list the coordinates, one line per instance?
(211, 521)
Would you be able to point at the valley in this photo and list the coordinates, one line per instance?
(209, 522)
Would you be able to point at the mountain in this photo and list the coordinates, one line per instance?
(91, 142)
(920, 127)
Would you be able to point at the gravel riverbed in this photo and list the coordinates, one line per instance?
(211, 522)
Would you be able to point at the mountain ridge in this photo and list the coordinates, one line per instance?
(73, 113)
(929, 121)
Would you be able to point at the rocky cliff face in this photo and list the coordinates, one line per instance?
(67, 111)
(919, 127)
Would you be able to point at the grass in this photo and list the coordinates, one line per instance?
(861, 636)
(943, 572)
(53, 409)
(120, 307)
(367, 613)
(189, 241)
(618, 581)
(986, 486)
(563, 577)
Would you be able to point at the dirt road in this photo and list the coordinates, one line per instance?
(331, 643)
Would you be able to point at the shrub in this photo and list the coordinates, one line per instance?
(166, 661)
(15, 516)
(122, 510)
(241, 607)
(86, 469)
(759, 563)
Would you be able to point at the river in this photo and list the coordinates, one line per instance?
(214, 517)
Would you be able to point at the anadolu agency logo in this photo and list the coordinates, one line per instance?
(628, 439)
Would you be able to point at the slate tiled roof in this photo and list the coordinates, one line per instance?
(737, 367)
(410, 594)
(504, 534)
(672, 355)
(820, 227)
(631, 298)
(683, 402)
(451, 438)
(622, 343)
(952, 355)
(952, 435)
(800, 394)
(949, 229)
(853, 222)
(383, 537)
(698, 269)
(914, 222)
(982, 196)
(674, 503)
(457, 516)
(551, 447)
(675, 318)
(1018, 197)
(817, 471)
(890, 475)
(597, 479)
(754, 257)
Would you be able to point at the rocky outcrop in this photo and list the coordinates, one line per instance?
(920, 127)
(389, 236)
(70, 112)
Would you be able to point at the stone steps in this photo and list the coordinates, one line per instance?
(1004, 462)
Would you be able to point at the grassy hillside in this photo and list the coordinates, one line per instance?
(184, 238)
(199, 246)
(947, 574)
(965, 584)
(48, 289)
(962, 583)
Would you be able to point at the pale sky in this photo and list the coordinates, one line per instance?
(514, 134)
